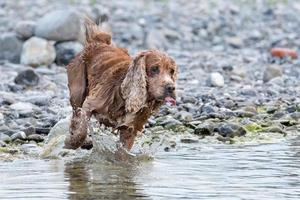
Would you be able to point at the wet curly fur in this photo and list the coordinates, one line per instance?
(119, 91)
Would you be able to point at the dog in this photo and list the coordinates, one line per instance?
(120, 91)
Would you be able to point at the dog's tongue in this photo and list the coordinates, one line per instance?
(170, 100)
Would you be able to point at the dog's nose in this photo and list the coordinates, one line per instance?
(170, 88)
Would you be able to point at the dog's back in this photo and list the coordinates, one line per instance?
(95, 64)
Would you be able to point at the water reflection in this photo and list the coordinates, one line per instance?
(102, 181)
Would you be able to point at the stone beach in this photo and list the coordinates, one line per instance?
(231, 89)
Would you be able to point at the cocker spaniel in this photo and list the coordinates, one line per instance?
(120, 91)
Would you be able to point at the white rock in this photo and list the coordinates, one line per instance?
(216, 79)
(37, 51)
(59, 129)
(24, 108)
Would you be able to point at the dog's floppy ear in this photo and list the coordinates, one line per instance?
(134, 86)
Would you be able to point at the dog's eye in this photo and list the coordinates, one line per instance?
(172, 71)
(154, 70)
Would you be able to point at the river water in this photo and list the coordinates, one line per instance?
(210, 171)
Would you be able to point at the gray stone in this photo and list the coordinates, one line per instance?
(25, 29)
(10, 47)
(230, 130)
(272, 71)
(37, 51)
(5, 138)
(66, 51)
(18, 135)
(27, 77)
(204, 129)
(35, 137)
(59, 25)
(189, 140)
(216, 80)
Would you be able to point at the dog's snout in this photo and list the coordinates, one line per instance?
(169, 88)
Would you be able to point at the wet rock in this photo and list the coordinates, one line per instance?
(230, 130)
(216, 80)
(5, 138)
(272, 71)
(32, 149)
(60, 128)
(204, 129)
(10, 47)
(37, 51)
(25, 29)
(66, 51)
(59, 25)
(189, 140)
(2, 144)
(274, 129)
(170, 122)
(27, 77)
(35, 137)
(18, 135)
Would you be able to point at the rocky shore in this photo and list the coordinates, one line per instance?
(231, 89)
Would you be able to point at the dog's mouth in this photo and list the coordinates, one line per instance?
(170, 100)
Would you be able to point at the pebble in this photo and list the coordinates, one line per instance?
(27, 77)
(18, 135)
(216, 80)
(230, 130)
(37, 51)
(204, 129)
(35, 137)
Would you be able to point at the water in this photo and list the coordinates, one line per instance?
(211, 171)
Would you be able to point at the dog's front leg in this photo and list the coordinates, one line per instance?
(78, 129)
(127, 136)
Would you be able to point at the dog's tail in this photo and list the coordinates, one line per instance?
(95, 33)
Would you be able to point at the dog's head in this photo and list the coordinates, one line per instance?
(151, 76)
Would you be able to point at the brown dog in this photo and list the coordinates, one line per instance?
(120, 91)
